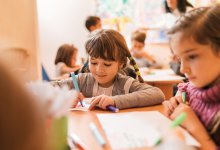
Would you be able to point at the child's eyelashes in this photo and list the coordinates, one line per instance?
(107, 65)
(93, 63)
(192, 57)
(188, 57)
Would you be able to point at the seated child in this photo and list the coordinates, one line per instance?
(66, 60)
(142, 58)
(196, 44)
(108, 54)
(93, 23)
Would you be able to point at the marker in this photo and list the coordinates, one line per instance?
(112, 108)
(77, 142)
(174, 123)
(75, 83)
(178, 120)
(97, 134)
(184, 97)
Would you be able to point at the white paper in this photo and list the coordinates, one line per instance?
(137, 129)
(86, 103)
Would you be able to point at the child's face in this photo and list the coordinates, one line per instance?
(137, 45)
(172, 3)
(73, 59)
(103, 71)
(198, 62)
(98, 25)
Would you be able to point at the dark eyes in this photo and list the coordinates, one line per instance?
(107, 65)
(192, 56)
(93, 63)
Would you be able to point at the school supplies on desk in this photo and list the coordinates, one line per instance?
(86, 103)
(112, 108)
(97, 134)
(137, 129)
(75, 83)
(176, 122)
(77, 142)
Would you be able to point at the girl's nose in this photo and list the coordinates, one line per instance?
(100, 68)
(184, 67)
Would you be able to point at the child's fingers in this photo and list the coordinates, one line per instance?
(81, 96)
(75, 102)
(169, 105)
(94, 102)
(177, 111)
(174, 102)
(167, 108)
(102, 103)
(179, 99)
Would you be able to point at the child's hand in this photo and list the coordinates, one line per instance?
(170, 105)
(193, 125)
(79, 98)
(101, 101)
(191, 118)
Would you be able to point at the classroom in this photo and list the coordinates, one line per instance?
(110, 74)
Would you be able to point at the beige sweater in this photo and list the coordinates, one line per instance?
(138, 95)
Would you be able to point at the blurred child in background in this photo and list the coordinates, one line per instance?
(138, 51)
(66, 60)
(92, 23)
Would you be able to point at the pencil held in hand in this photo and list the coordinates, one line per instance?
(75, 83)
(179, 119)
(112, 108)
(184, 97)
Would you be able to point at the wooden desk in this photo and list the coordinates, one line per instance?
(164, 79)
(79, 124)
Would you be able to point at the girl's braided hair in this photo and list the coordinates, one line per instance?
(110, 45)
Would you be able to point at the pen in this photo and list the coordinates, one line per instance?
(184, 97)
(75, 84)
(77, 142)
(97, 134)
(179, 119)
(112, 108)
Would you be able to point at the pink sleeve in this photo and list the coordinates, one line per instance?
(183, 87)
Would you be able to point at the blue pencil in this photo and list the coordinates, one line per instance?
(97, 134)
(75, 83)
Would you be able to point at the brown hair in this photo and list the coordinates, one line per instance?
(65, 53)
(202, 24)
(21, 124)
(91, 21)
(139, 36)
(181, 6)
(110, 45)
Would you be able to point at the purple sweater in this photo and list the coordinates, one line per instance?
(206, 104)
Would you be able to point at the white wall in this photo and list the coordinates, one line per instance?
(62, 21)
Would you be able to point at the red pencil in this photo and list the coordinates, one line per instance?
(77, 142)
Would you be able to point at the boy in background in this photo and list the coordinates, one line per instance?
(92, 23)
(140, 55)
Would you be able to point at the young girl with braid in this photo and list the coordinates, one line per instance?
(108, 54)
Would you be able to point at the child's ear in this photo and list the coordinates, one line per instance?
(120, 65)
